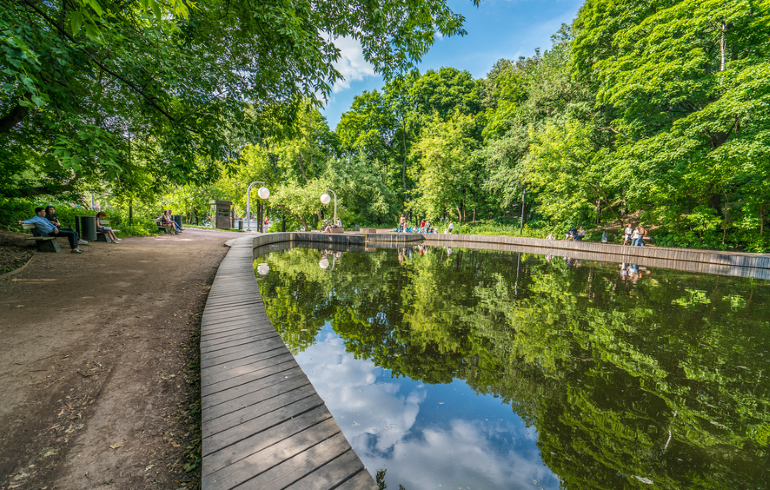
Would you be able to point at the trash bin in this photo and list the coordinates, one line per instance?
(88, 227)
(356, 227)
(240, 224)
(179, 219)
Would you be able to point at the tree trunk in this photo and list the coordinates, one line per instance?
(302, 168)
(403, 167)
(724, 221)
(722, 48)
(301, 220)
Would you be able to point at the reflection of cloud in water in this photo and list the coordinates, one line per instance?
(380, 419)
(359, 404)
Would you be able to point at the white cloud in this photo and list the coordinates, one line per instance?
(382, 423)
(351, 65)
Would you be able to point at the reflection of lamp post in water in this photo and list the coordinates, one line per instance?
(263, 193)
(326, 198)
(324, 262)
(263, 269)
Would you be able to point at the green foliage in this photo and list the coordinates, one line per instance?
(191, 84)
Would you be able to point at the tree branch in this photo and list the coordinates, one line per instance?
(133, 86)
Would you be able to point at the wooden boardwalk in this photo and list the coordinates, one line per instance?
(264, 426)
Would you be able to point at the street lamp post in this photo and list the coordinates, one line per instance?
(325, 198)
(263, 193)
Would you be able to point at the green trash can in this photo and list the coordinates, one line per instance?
(179, 219)
(88, 228)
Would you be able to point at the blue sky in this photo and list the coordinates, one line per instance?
(496, 29)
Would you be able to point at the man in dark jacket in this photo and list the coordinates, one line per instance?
(50, 215)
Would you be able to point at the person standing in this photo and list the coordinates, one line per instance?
(635, 236)
(402, 224)
(50, 215)
(451, 225)
(627, 234)
(46, 228)
(642, 233)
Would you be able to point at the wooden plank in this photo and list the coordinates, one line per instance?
(233, 340)
(258, 442)
(212, 370)
(257, 463)
(221, 331)
(286, 410)
(251, 387)
(300, 465)
(278, 356)
(328, 476)
(252, 375)
(212, 412)
(239, 350)
(243, 352)
(360, 481)
(233, 419)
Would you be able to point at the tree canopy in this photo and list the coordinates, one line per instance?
(193, 82)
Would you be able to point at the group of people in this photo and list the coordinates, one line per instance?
(166, 220)
(632, 272)
(572, 234)
(634, 236)
(425, 226)
(327, 227)
(48, 225)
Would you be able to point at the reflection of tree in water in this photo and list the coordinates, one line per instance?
(380, 479)
(662, 380)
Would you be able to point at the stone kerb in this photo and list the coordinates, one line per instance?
(732, 259)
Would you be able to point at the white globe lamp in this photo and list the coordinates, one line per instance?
(263, 269)
(263, 192)
(326, 198)
(324, 263)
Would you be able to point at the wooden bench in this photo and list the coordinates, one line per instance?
(44, 243)
(166, 229)
(101, 237)
(337, 230)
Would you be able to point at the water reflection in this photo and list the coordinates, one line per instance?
(439, 367)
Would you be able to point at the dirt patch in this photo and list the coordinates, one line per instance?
(98, 364)
(15, 250)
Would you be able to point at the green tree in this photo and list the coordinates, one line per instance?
(198, 83)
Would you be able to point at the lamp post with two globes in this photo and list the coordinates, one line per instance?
(263, 194)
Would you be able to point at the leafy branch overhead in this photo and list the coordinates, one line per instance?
(194, 82)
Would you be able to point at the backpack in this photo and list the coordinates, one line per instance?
(645, 232)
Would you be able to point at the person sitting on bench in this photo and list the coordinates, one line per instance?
(168, 224)
(170, 219)
(46, 228)
(50, 215)
(105, 229)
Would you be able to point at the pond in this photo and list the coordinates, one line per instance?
(453, 369)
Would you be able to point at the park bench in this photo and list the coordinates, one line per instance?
(44, 243)
(161, 227)
(101, 237)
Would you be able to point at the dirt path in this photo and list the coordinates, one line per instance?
(95, 352)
